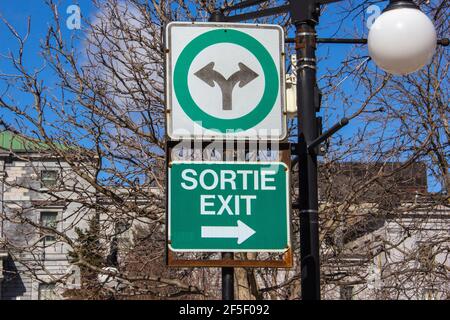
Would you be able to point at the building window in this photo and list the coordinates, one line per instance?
(346, 293)
(49, 178)
(429, 294)
(426, 256)
(48, 220)
(123, 231)
(122, 226)
(47, 291)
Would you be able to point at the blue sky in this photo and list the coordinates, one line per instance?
(18, 11)
(17, 14)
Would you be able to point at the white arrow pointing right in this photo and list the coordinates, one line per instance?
(242, 232)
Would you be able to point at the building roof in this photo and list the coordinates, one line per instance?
(395, 181)
(12, 142)
(15, 143)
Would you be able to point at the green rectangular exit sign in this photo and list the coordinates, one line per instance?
(228, 206)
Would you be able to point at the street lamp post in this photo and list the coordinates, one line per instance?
(304, 15)
(390, 45)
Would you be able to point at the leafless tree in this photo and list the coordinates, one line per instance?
(103, 116)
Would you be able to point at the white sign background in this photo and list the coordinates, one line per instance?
(226, 57)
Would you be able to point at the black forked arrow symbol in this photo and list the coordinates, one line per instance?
(244, 76)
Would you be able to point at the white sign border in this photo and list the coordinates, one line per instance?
(168, 81)
(288, 208)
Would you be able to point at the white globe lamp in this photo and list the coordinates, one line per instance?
(402, 39)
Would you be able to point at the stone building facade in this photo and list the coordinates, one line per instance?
(36, 264)
(391, 245)
(380, 255)
(404, 258)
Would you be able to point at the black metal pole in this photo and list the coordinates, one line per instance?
(307, 132)
(227, 279)
(227, 272)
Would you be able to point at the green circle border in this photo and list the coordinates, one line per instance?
(193, 111)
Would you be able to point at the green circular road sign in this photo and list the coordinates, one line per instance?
(190, 107)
